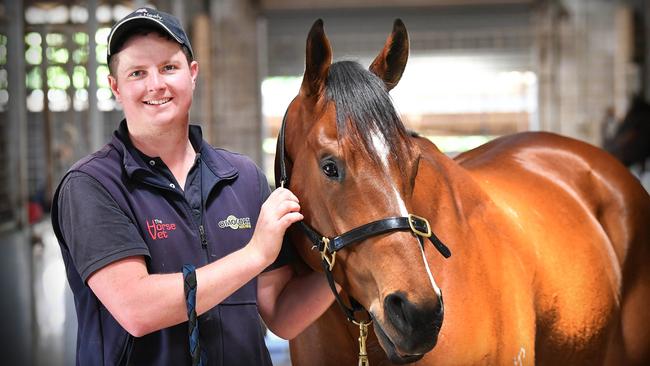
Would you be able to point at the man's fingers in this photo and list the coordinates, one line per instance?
(288, 206)
(291, 218)
(283, 193)
(282, 201)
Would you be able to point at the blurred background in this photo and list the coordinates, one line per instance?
(478, 69)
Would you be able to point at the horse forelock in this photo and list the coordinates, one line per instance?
(364, 111)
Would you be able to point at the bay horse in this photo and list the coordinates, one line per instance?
(549, 236)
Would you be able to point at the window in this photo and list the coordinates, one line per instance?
(6, 214)
(57, 59)
(4, 83)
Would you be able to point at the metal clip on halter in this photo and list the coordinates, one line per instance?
(327, 257)
(363, 334)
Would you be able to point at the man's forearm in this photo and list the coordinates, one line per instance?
(157, 301)
(303, 300)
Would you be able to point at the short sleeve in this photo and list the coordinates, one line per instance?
(95, 229)
(287, 252)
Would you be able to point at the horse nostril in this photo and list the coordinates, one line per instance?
(416, 326)
(408, 317)
(396, 307)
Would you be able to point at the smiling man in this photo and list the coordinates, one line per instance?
(159, 227)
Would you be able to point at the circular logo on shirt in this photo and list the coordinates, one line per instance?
(235, 223)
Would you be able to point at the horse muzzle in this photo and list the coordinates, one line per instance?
(409, 330)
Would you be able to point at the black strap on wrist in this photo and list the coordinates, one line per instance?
(190, 286)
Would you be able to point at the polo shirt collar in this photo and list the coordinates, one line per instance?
(133, 161)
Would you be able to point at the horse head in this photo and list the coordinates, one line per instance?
(349, 160)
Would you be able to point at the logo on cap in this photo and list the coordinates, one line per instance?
(145, 13)
(167, 22)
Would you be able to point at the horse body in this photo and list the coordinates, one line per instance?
(549, 235)
(583, 220)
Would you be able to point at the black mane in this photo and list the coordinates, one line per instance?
(364, 107)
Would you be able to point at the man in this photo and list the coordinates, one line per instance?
(157, 198)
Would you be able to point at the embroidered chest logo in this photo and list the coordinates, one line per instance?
(158, 229)
(235, 223)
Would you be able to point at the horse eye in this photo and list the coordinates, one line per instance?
(330, 169)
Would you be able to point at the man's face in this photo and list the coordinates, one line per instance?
(153, 82)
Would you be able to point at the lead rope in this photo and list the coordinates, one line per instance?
(190, 286)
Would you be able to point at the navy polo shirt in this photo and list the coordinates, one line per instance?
(118, 203)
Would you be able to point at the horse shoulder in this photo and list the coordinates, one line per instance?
(485, 282)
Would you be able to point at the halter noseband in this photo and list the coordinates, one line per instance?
(329, 246)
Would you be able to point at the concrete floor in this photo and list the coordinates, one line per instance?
(45, 334)
(16, 325)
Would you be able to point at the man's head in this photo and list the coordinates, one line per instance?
(152, 72)
(142, 22)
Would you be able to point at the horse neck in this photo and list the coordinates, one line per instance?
(447, 194)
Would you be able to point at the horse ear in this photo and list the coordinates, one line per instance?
(318, 60)
(391, 61)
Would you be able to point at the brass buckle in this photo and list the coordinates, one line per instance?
(329, 258)
(415, 230)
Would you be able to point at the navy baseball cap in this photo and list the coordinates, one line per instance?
(146, 17)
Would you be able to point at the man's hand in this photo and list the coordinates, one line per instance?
(279, 211)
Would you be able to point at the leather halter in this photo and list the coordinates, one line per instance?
(329, 246)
